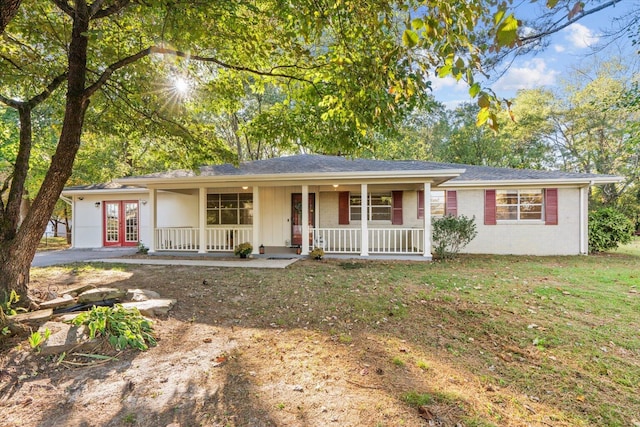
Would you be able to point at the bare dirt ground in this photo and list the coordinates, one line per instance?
(294, 347)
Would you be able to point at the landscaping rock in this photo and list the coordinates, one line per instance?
(74, 292)
(64, 338)
(100, 294)
(152, 307)
(67, 317)
(64, 301)
(141, 295)
(32, 317)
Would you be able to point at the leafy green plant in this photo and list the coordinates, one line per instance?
(608, 228)
(36, 339)
(142, 249)
(317, 253)
(451, 234)
(7, 303)
(243, 249)
(121, 326)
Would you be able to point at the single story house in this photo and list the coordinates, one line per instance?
(360, 207)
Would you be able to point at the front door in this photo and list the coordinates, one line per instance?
(120, 223)
(296, 217)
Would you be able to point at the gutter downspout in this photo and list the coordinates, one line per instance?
(583, 223)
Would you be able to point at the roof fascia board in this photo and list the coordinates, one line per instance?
(533, 182)
(104, 191)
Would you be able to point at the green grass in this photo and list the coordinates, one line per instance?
(632, 248)
(52, 244)
(561, 329)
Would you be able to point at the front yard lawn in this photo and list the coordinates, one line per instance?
(479, 341)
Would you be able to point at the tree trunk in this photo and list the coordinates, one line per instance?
(18, 251)
(8, 9)
(66, 224)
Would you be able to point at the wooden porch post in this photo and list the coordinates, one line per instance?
(256, 220)
(202, 220)
(427, 220)
(152, 218)
(305, 220)
(364, 221)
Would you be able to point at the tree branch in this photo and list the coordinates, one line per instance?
(98, 13)
(55, 83)
(65, 7)
(180, 54)
(114, 67)
(554, 29)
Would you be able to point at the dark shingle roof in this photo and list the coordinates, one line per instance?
(309, 163)
(104, 186)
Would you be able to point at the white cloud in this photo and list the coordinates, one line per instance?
(448, 83)
(580, 36)
(532, 74)
(558, 48)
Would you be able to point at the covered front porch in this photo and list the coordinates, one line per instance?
(277, 216)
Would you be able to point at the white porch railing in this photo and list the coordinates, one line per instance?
(396, 240)
(218, 239)
(381, 240)
(176, 239)
(337, 240)
(225, 239)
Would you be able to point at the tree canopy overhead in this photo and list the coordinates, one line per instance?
(340, 72)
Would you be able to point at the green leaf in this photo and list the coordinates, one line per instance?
(552, 3)
(483, 116)
(445, 70)
(410, 38)
(508, 31)
(417, 23)
(474, 90)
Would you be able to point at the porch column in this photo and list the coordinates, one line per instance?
(152, 218)
(202, 220)
(364, 221)
(305, 220)
(256, 220)
(427, 220)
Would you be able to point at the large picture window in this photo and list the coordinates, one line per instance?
(230, 209)
(378, 207)
(519, 205)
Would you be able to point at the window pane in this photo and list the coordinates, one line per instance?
(380, 199)
(213, 200)
(531, 197)
(355, 213)
(507, 197)
(506, 212)
(213, 218)
(381, 213)
(229, 201)
(354, 199)
(229, 216)
(531, 212)
(246, 216)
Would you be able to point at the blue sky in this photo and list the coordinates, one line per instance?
(545, 68)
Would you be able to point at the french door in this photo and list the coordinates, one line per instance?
(296, 217)
(120, 223)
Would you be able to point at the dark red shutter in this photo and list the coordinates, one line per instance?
(420, 204)
(396, 207)
(551, 206)
(343, 207)
(490, 207)
(451, 205)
